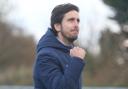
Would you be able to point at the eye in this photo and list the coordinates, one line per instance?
(78, 20)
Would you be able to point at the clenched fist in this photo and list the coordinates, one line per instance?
(78, 52)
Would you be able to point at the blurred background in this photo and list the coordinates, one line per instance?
(104, 34)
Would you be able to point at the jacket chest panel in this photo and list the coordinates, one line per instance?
(64, 60)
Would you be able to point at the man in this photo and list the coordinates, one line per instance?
(58, 63)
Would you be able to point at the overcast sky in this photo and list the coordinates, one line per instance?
(34, 15)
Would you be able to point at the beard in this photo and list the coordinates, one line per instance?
(69, 37)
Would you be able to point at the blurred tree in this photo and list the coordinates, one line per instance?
(15, 47)
(17, 51)
(112, 68)
(122, 9)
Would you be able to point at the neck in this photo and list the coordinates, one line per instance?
(64, 41)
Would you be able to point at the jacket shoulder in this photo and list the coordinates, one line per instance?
(47, 51)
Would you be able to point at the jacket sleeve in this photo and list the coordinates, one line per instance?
(52, 76)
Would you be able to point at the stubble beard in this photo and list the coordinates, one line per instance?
(71, 39)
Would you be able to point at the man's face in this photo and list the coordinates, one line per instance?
(70, 26)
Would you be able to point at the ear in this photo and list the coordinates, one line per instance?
(57, 26)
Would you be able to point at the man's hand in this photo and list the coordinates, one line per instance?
(78, 52)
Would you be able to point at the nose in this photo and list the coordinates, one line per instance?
(76, 23)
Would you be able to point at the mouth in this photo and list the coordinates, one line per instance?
(74, 31)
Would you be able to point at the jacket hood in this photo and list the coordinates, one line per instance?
(50, 40)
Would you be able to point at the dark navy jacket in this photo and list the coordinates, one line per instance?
(54, 67)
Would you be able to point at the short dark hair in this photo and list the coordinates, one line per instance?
(59, 11)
